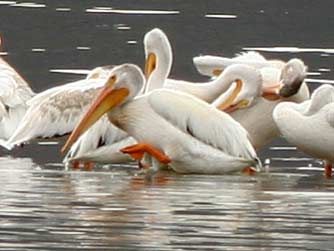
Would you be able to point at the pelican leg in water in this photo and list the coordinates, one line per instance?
(310, 125)
(138, 150)
(173, 124)
(328, 168)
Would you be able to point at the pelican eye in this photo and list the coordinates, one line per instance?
(112, 80)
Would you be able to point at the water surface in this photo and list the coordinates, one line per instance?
(43, 206)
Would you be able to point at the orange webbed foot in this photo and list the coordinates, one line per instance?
(249, 171)
(76, 164)
(137, 152)
(88, 166)
(328, 170)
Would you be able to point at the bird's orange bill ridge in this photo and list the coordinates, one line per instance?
(137, 152)
(108, 98)
(228, 104)
(150, 64)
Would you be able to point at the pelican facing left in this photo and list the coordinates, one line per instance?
(170, 126)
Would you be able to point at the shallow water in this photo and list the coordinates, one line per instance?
(45, 207)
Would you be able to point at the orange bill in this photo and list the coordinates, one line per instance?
(271, 92)
(229, 101)
(108, 98)
(150, 64)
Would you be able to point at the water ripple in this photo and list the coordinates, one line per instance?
(134, 12)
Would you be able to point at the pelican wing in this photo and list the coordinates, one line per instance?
(3, 110)
(250, 56)
(102, 133)
(202, 121)
(14, 90)
(330, 115)
(96, 73)
(58, 112)
(206, 65)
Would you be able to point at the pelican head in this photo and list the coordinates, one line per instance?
(246, 84)
(100, 72)
(292, 77)
(123, 84)
(158, 54)
(210, 65)
(214, 65)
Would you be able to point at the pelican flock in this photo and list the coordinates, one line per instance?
(118, 114)
(186, 143)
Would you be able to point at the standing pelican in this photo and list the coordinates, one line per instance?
(14, 95)
(310, 125)
(101, 146)
(55, 111)
(169, 126)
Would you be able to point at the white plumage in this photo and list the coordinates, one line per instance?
(208, 65)
(57, 110)
(257, 119)
(310, 125)
(159, 61)
(14, 95)
(193, 134)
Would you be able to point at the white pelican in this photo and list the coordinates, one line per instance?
(158, 54)
(173, 127)
(14, 94)
(310, 125)
(56, 111)
(101, 143)
(257, 119)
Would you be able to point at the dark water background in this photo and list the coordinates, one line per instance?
(44, 207)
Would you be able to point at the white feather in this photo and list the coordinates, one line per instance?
(215, 129)
(56, 111)
(101, 143)
(14, 94)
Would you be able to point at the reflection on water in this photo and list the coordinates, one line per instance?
(71, 71)
(28, 5)
(63, 9)
(114, 209)
(319, 81)
(133, 12)
(220, 16)
(289, 49)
